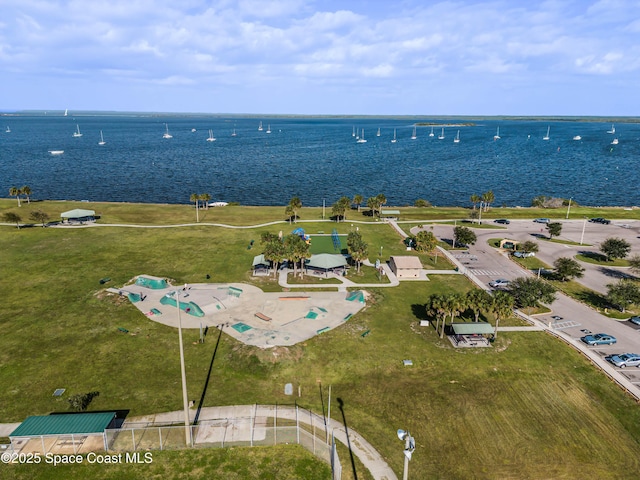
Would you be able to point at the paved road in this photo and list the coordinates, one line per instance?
(484, 263)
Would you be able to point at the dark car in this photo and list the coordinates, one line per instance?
(599, 339)
(503, 221)
(601, 220)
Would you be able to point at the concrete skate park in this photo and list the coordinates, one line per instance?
(244, 311)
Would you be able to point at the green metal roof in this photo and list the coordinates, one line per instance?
(67, 423)
(471, 328)
(389, 212)
(326, 261)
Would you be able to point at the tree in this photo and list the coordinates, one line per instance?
(634, 263)
(357, 199)
(296, 250)
(488, 198)
(382, 200)
(340, 208)
(274, 252)
(614, 248)
(205, 197)
(422, 203)
(528, 291)
(374, 205)
(464, 236)
(425, 241)
(554, 229)
(478, 300)
(296, 204)
(26, 191)
(11, 217)
(502, 307)
(436, 308)
(623, 294)
(39, 216)
(454, 304)
(289, 212)
(195, 198)
(475, 200)
(16, 192)
(568, 268)
(357, 248)
(79, 402)
(528, 247)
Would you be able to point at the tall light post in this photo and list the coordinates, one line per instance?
(187, 426)
(409, 447)
(569, 207)
(583, 227)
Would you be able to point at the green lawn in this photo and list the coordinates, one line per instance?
(530, 407)
(599, 259)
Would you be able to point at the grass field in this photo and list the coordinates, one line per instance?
(530, 407)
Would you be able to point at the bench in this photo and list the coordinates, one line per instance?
(262, 316)
(123, 330)
(365, 333)
(104, 280)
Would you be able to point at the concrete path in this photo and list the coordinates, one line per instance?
(367, 454)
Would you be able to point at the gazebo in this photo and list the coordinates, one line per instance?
(327, 262)
(78, 215)
(261, 265)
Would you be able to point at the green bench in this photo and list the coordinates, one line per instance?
(123, 330)
(365, 333)
(104, 280)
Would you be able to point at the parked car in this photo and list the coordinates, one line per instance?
(601, 220)
(599, 339)
(524, 254)
(542, 220)
(624, 360)
(635, 320)
(499, 283)
(503, 221)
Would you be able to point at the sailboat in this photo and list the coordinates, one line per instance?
(378, 134)
(268, 128)
(234, 133)
(77, 132)
(431, 134)
(457, 139)
(546, 137)
(166, 133)
(613, 129)
(101, 142)
(497, 135)
(414, 136)
(361, 139)
(614, 141)
(394, 140)
(8, 130)
(211, 138)
(441, 136)
(577, 137)
(260, 127)
(66, 112)
(353, 133)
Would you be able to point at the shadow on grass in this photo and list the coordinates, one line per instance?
(420, 311)
(206, 382)
(593, 298)
(595, 256)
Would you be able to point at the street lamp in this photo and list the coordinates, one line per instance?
(380, 251)
(583, 227)
(187, 427)
(409, 447)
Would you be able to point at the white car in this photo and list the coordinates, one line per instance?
(500, 283)
(524, 254)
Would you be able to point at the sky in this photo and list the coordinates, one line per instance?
(347, 57)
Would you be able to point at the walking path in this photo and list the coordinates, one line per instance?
(367, 454)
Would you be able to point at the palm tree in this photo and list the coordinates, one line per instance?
(15, 192)
(478, 300)
(195, 198)
(289, 212)
(436, 308)
(454, 304)
(488, 198)
(502, 307)
(274, 252)
(296, 204)
(357, 199)
(475, 200)
(357, 248)
(26, 191)
(205, 197)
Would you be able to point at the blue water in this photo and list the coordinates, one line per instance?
(316, 159)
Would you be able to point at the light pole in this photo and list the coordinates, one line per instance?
(187, 426)
(569, 207)
(409, 447)
(583, 227)
(380, 251)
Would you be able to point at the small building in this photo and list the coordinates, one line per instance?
(78, 215)
(327, 262)
(508, 244)
(405, 266)
(261, 265)
(390, 214)
(68, 433)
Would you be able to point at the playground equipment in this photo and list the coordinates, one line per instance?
(300, 232)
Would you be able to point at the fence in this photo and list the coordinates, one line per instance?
(267, 425)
